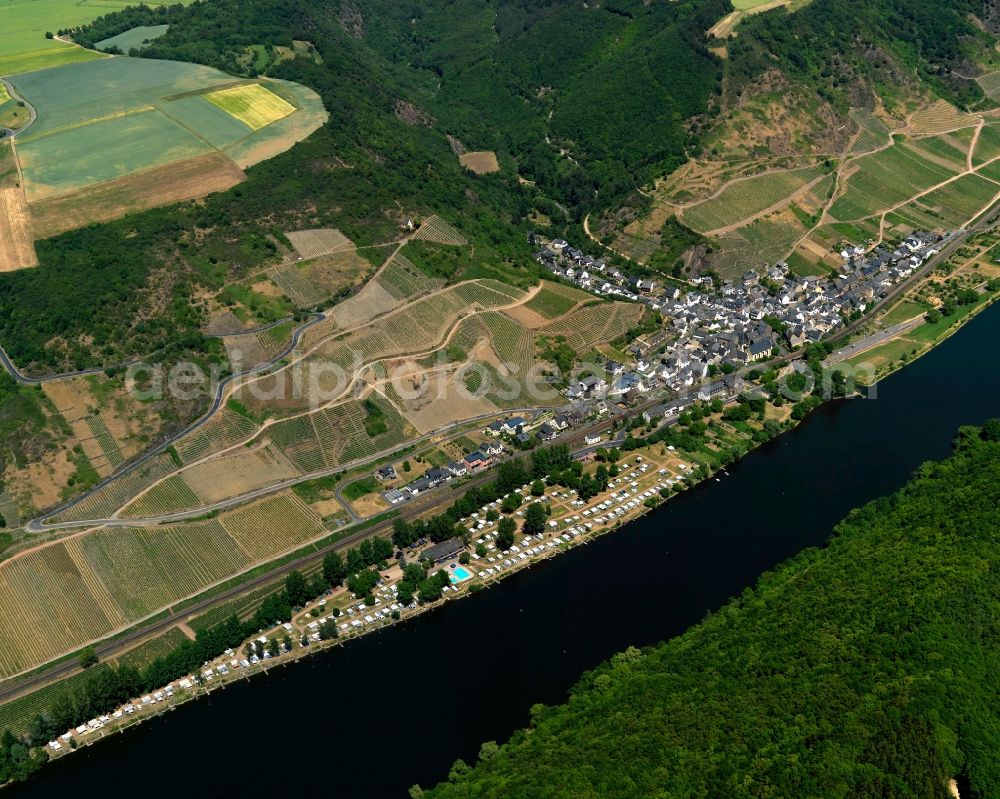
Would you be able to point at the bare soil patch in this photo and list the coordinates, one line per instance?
(527, 317)
(482, 162)
(163, 185)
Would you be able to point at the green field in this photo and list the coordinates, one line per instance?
(133, 38)
(23, 24)
(106, 119)
(105, 150)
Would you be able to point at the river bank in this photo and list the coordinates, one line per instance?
(434, 689)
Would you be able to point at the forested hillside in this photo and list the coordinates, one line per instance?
(850, 51)
(870, 668)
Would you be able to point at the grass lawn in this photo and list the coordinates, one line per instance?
(906, 309)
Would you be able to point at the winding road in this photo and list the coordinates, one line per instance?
(32, 116)
(37, 525)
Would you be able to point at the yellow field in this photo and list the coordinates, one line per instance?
(17, 248)
(251, 104)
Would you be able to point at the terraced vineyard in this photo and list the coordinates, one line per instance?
(951, 205)
(874, 133)
(224, 430)
(597, 324)
(887, 178)
(990, 84)
(744, 199)
(57, 605)
(939, 117)
(299, 289)
(172, 495)
(514, 344)
(17, 714)
(435, 229)
(145, 569)
(109, 498)
(337, 434)
(105, 440)
(555, 299)
(320, 241)
(148, 651)
(272, 525)
(403, 280)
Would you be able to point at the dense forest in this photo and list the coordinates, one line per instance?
(849, 51)
(869, 668)
(583, 104)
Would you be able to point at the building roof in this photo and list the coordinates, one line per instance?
(444, 550)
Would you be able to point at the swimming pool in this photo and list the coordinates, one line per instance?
(459, 575)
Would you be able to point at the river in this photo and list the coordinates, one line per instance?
(397, 707)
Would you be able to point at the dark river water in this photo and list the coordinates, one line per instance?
(397, 707)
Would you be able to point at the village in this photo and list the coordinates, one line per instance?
(715, 330)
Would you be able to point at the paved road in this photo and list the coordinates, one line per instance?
(874, 340)
(37, 525)
(416, 508)
(32, 116)
(410, 510)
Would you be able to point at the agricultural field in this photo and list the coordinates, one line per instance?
(132, 39)
(743, 200)
(153, 115)
(85, 587)
(23, 24)
(17, 248)
(174, 182)
(13, 114)
(252, 104)
(482, 162)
